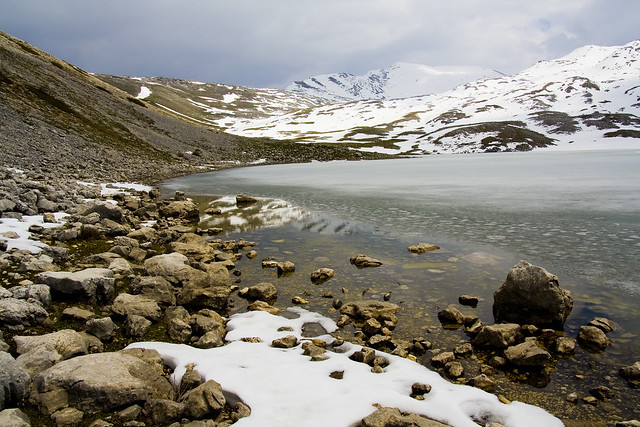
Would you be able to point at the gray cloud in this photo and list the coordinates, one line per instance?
(268, 43)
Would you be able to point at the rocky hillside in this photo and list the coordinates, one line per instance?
(60, 122)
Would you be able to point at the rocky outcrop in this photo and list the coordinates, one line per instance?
(531, 296)
(99, 382)
(364, 261)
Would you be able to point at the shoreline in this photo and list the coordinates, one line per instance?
(180, 224)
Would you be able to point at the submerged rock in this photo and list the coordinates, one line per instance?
(592, 338)
(531, 296)
(421, 248)
(363, 261)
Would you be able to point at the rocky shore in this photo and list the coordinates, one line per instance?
(134, 267)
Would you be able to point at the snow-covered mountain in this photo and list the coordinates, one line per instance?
(401, 80)
(589, 96)
(586, 99)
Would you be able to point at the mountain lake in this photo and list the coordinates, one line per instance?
(575, 213)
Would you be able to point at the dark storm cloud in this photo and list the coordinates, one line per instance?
(269, 43)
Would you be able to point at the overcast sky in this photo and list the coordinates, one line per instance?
(269, 43)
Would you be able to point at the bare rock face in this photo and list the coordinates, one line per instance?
(531, 295)
(99, 382)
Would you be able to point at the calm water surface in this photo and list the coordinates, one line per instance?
(575, 213)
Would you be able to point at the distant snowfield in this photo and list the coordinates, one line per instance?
(283, 387)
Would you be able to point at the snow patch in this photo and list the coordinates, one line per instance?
(144, 92)
(284, 387)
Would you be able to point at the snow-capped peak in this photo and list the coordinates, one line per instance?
(400, 80)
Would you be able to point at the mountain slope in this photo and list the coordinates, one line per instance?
(63, 123)
(401, 80)
(587, 96)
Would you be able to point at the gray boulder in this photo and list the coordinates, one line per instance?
(156, 288)
(102, 328)
(531, 295)
(210, 289)
(386, 417)
(20, 312)
(67, 342)
(39, 359)
(14, 381)
(127, 304)
(592, 338)
(261, 291)
(184, 209)
(363, 261)
(366, 309)
(99, 382)
(206, 400)
(527, 354)
(14, 417)
(321, 275)
(95, 285)
(40, 293)
(498, 336)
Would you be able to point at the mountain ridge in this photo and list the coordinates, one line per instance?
(400, 80)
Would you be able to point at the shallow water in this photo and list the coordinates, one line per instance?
(575, 213)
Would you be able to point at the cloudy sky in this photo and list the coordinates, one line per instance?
(269, 43)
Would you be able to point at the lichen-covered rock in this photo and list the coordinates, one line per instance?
(99, 382)
(531, 295)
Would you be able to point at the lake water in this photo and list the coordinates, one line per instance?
(577, 214)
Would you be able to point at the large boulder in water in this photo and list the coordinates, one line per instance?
(531, 295)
